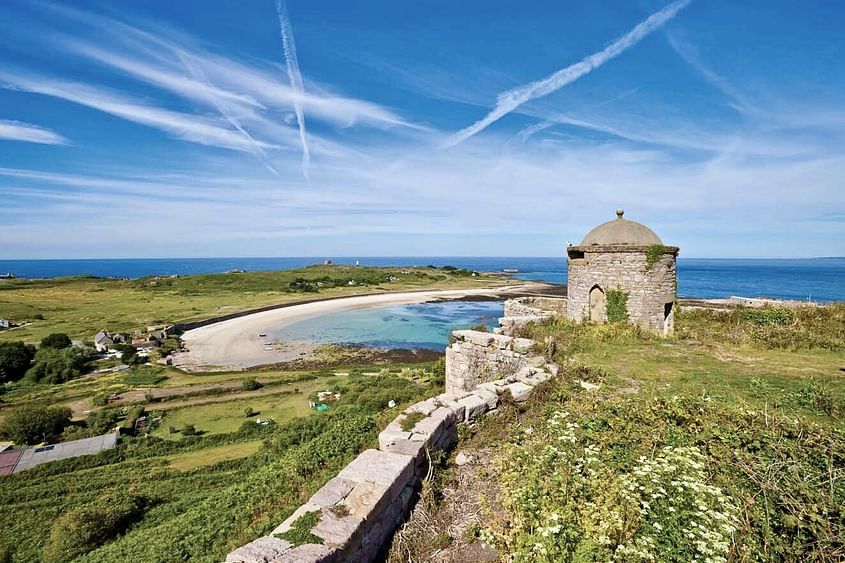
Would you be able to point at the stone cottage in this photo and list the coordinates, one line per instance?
(622, 271)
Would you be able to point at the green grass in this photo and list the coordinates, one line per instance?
(210, 456)
(228, 415)
(82, 306)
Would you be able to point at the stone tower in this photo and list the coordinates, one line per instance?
(622, 270)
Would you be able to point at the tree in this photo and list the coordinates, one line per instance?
(56, 366)
(15, 359)
(248, 412)
(56, 340)
(31, 425)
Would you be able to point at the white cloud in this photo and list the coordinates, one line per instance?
(506, 102)
(11, 130)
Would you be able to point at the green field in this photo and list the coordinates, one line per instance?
(82, 306)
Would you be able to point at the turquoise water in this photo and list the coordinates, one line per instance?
(407, 327)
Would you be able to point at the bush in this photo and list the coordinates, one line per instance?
(83, 529)
(101, 421)
(15, 359)
(56, 340)
(31, 425)
(189, 430)
(251, 384)
(248, 412)
(57, 366)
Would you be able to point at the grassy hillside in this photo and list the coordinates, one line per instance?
(726, 443)
(82, 306)
(196, 498)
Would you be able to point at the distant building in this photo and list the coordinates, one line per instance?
(103, 341)
(622, 261)
(6, 323)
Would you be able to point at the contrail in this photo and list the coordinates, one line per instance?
(295, 77)
(508, 101)
(198, 74)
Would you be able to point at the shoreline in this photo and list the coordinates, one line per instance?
(234, 344)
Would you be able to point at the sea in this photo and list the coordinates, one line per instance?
(811, 279)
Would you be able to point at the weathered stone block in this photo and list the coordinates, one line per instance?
(340, 532)
(474, 406)
(384, 468)
(263, 550)
(310, 553)
(519, 391)
(387, 437)
(332, 492)
(407, 447)
(423, 407)
(489, 397)
(367, 500)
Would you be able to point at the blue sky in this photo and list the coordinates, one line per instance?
(195, 128)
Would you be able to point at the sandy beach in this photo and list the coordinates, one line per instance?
(235, 344)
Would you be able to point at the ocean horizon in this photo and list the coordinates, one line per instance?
(812, 279)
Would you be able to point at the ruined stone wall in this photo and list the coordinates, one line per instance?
(371, 497)
(528, 306)
(478, 357)
(612, 268)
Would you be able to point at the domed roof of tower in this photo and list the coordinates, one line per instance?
(621, 231)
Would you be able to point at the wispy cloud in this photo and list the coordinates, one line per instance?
(188, 127)
(295, 77)
(508, 101)
(19, 131)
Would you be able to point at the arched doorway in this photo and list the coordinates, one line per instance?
(598, 305)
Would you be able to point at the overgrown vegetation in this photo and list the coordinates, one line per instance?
(617, 306)
(300, 530)
(411, 420)
(653, 254)
(670, 478)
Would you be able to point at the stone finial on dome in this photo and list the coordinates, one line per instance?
(619, 213)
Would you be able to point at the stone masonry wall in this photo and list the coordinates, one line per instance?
(361, 508)
(648, 289)
(478, 357)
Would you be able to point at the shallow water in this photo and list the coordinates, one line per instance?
(408, 327)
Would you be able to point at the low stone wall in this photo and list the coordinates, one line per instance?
(535, 306)
(371, 497)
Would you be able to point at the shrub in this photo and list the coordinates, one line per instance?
(189, 430)
(83, 529)
(33, 424)
(56, 340)
(248, 412)
(103, 420)
(251, 384)
(15, 358)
